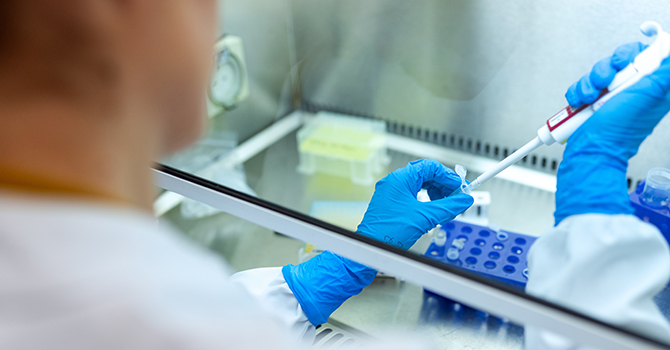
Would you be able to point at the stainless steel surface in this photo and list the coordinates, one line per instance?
(386, 304)
(263, 27)
(514, 207)
(238, 156)
(478, 295)
(486, 70)
(285, 186)
(267, 38)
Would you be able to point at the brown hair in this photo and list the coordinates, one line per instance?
(7, 18)
(58, 42)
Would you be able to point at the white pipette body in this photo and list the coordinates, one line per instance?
(559, 127)
(504, 164)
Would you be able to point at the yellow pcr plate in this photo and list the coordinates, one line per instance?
(342, 143)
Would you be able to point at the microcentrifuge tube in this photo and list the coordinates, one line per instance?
(440, 238)
(458, 244)
(462, 171)
(452, 253)
(500, 235)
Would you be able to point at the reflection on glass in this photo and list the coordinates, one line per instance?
(427, 77)
(387, 302)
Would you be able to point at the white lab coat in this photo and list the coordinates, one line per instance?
(77, 275)
(606, 266)
(85, 275)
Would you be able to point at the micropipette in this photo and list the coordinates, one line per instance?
(559, 127)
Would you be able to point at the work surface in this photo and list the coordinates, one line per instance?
(387, 303)
(272, 174)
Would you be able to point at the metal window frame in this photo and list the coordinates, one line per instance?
(459, 285)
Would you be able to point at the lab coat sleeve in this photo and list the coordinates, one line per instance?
(268, 287)
(606, 266)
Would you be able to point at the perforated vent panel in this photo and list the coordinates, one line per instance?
(456, 141)
(334, 335)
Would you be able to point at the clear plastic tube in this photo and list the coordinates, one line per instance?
(656, 191)
(440, 238)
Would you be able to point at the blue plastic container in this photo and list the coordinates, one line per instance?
(659, 217)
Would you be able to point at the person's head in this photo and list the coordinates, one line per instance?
(92, 92)
(146, 61)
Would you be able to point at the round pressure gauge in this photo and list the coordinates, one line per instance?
(226, 84)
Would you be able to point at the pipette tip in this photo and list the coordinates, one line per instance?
(470, 187)
(467, 189)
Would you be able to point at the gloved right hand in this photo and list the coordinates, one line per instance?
(592, 175)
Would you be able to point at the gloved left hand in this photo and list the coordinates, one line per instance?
(394, 216)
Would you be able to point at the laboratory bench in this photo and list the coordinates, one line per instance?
(267, 165)
(389, 302)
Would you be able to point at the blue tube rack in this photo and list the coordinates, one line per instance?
(437, 310)
(659, 217)
(501, 256)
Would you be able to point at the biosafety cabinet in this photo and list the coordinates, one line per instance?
(311, 102)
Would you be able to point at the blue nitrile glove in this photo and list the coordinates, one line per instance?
(592, 175)
(395, 216)
(322, 283)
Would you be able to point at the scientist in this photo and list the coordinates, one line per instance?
(92, 92)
